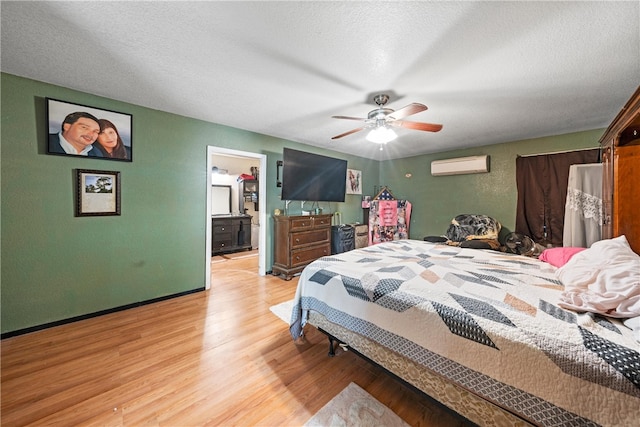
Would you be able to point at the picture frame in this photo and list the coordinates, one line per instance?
(354, 181)
(97, 192)
(88, 132)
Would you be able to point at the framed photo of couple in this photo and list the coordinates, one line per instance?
(83, 131)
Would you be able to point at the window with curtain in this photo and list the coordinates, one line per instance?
(542, 192)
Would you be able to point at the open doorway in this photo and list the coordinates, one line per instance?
(217, 155)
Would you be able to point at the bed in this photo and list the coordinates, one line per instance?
(480, 331)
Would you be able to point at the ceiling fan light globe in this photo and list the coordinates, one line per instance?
(381, 135)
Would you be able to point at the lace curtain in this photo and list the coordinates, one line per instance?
(583, 209)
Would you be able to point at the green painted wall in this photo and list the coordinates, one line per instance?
(56, 266)
(437, 199)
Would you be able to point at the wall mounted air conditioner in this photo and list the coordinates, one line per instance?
(460, 165)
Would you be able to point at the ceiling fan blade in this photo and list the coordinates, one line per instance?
(348, 133)
(430, 127)
(349, 118)
(407, 111)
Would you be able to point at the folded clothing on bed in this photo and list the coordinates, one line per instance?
(603, 279)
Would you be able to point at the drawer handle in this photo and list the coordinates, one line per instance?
(221, 244)
(297, 258)
(297, 240)
(304, 224)
(222, 228)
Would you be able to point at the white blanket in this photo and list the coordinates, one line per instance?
(603, 279)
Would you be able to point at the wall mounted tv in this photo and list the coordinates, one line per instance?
(312, 177)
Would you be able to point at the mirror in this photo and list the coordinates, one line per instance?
(220, 200)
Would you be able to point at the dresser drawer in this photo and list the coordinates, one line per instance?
(305, 238)
(305, 256)
(221, 226)
(220, 244)
(321, 222)
(301, 224)
(224, 233)
(221, 230)
(309, 222)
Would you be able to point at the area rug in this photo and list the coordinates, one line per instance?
(283, 310)
(355, 407)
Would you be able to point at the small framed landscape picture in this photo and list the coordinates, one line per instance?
(354, 181)
(88, 132)
(97, 193)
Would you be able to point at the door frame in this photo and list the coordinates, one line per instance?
(262, 207)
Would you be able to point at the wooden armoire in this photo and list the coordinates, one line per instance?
(621, 180)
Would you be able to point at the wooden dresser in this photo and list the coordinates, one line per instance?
(230, 234)
(299, 240)
(621, 180)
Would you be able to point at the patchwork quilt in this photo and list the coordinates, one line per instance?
(485, 320)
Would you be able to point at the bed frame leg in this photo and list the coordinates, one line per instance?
(332, 351)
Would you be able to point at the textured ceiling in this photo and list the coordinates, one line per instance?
(490, 72)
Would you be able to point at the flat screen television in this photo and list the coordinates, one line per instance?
(312, 177)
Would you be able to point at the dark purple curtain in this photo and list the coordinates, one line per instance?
(542, 193)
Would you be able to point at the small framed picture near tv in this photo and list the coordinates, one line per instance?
(354, 181)
(84, 131)
(97, 192)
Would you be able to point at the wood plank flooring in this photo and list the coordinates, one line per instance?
(215, 358)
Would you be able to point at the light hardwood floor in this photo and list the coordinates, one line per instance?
(217, 358)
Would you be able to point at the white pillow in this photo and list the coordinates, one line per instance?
(603, 279)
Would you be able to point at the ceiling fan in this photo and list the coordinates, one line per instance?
(382, 119)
